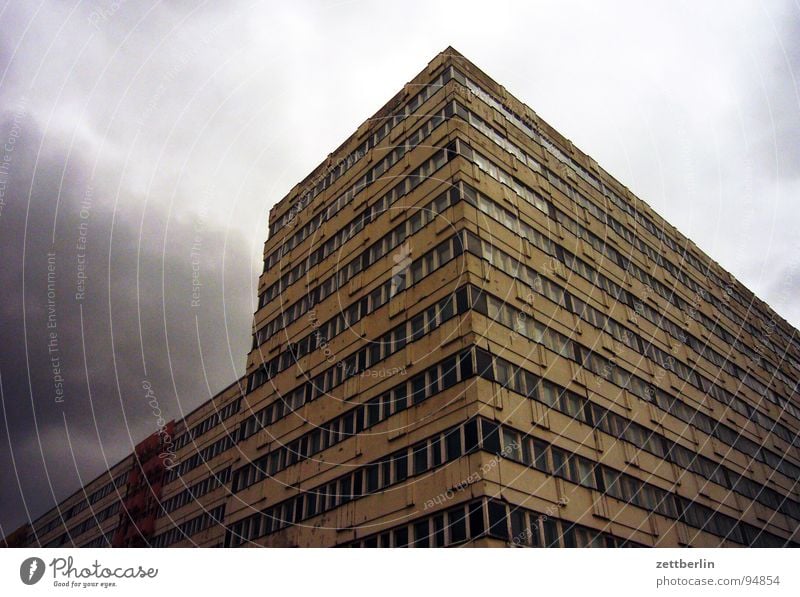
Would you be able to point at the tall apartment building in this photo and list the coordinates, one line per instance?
(468, 333)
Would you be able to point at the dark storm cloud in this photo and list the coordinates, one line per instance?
(90, 285)
(122, 142)
(182, 122)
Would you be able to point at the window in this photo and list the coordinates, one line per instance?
(345, 491)
(572, 404)
(415, 222)
(550, 531)
(433, 381)
(527, 451)
(422, 534)
(631, 489)
(417, 327)
(456, 523)
(610, 480)
(371, 542)
(438, 531)
(533, 532)
(373, 412)
(531, 384)
(418, 388)
(512, 445)
(497, 520)
(399, 396)
(453, 443)
(549, 394)
(585, 472)
(420, 456)
(471, 436)
(465, 364)
(386, 404)
(416, 271)
(520, 535)
(648, 497)
(401, 467)
(333, 496)
(444, 253)
(484, 361)
(349, 420)
(540, 456)
(491, 436)
(503, 372)
(436, 451)
(449, 372)
(401, 537)
(386, 466)
(476, 524)
(560, 462)
(372, 478)
(376, 298)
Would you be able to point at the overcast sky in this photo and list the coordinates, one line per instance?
(162, 133)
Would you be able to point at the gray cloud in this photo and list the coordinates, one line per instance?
(138, 280)
(181, 117)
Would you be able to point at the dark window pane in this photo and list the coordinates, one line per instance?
(311, 504)
(527, 451)
(476, 524)
(519, 530)
(417, 327)
(386, 477)
(569, 535)
(401, 467)
(436, 451)
(465, 364)
(438, 530)
(372, 478)
(447, 309)
(533, 523)
(497, 520)
(484, 362)
(401, 537)
(400, 340)
(491, 436)
(453, 444)
(421, 534)
(560, 462)
(449, 373)
(399, 396)
(373, 412)
(348, 424)
(457, 524)
(418, 389)
(345, 490)
(471, 436)
(461, 300)
(550, 532)
(420, 458)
